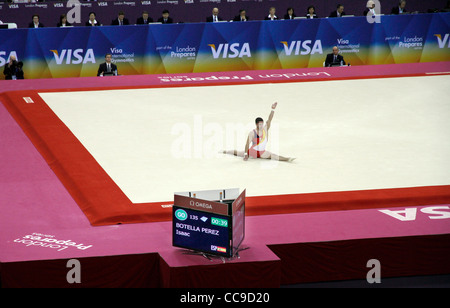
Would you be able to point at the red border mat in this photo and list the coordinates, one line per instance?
(104, 203)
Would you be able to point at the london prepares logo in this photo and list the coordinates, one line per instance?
(49, 241)
(415, 42)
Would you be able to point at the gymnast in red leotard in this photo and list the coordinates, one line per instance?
(258, 146)
(258, 139)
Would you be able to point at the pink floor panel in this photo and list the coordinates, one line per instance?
(285, 75)
(42, 227)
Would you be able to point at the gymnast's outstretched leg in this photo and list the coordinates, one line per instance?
(234, 152)
(269, 155)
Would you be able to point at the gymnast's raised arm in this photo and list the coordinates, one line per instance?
(269, 120)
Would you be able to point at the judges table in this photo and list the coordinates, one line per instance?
(185, 10)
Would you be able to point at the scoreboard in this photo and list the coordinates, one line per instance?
(201, 231)
(214, 227)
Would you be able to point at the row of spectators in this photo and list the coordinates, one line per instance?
(165, 17)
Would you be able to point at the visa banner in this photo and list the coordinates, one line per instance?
(230, 46)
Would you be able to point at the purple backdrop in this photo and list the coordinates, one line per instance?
(192, 10)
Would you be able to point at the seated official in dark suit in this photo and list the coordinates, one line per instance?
(215, 16)
(339, 11)
(446, 9)
(107, 68)
(271, 15)
(242, 16)
(144, 19)
(400, 9)
(13, 69)
(290, 14)
(35, 23)
(63, 21)
(334, 58)
(165, 19)
(311, 12)
(92, 22)
(120, 20)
